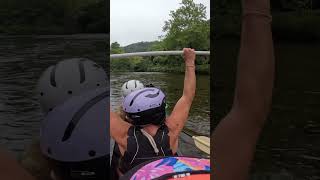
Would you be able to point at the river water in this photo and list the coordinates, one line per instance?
(289, 147)
(172, 85)
(22, 60)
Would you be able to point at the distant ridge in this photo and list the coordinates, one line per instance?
(139, 46)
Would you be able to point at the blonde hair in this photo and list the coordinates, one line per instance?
(123, 115)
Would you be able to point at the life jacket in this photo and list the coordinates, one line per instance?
(140, 149)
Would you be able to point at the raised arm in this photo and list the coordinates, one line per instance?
(236, 135)
(179, 115)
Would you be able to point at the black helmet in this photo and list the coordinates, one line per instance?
(68, 78)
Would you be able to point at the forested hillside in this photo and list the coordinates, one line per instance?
(139, 46)
(187, 26)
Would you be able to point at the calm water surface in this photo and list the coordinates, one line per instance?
(22, 60)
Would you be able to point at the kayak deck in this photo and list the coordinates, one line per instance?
(185, 139)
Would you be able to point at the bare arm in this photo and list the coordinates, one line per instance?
(235, 137)
(10, 168)
(118, 130)
(179, 115)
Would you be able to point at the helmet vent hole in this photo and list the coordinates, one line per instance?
(98, 84)
(50, 109)
(92, 153)
(41, 94)
(49, 151)
(138, 109)
(69, 92)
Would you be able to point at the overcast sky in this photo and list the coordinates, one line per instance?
(141, 20)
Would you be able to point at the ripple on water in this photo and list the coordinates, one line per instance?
(22, 60)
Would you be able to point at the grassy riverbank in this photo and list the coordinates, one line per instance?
(158, 64)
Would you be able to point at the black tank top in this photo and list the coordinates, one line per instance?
(140, 150)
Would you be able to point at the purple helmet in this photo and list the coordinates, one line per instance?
(78, 129)
(145, 106)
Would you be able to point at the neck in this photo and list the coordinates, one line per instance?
(151, 129)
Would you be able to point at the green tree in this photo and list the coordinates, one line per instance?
(187, 27)
(157, 46)
(115, 48)
(121, 65)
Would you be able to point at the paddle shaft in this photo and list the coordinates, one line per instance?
(156, 53)
(201, 145)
